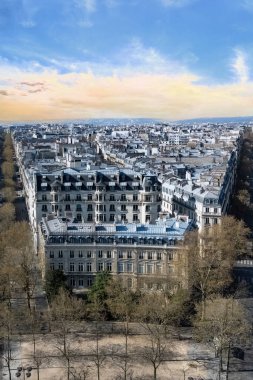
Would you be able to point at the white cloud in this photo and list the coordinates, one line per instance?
(138, 58)
(89, 5)
(240, 67)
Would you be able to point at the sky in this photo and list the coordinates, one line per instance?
(165, 59)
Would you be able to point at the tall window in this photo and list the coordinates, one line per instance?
(72, 267)
(100, 267)
(109, 267)
(80, 267)
(89, 267)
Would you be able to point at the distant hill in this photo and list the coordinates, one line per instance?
(240, 119)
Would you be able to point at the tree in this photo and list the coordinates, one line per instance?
(224, 326)
(54, 281)
(7, 216)
(65, 311)
(211, 255)
(8, 193)
(122, 304)
(155, 352)
(98, 295)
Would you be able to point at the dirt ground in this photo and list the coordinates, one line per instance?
(183, 358)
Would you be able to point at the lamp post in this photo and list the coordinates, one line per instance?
(25, 370)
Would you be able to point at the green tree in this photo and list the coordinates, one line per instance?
(54, 281)
(98, 295)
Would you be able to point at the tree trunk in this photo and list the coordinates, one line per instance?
(228, 362)
(155, 372)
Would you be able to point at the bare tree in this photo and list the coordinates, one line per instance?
(65, 312)
(122, 304)
(211, 255)
(155, 352)
(98, 354)
(224, 326)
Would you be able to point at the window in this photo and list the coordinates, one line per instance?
(60, 254)
(44, 208)
(60, 266)
(89, 218)
(78, 207)
(207, 221)
(159, 256)
(51, 254)
(141, 256)
(80, 267)
(147, 208)
(67, 197)
(135, 197)
(89, 267)
(135, 217)
(123, 197)
(109, 267)
(135, 207)
(150, 268)
(67, 208)
(89, 281)
(89, 197)
(80, 254)
(100, 254)
(52, 266)
(129, 254)
(130, 267)
(147, 198)
(207, 209)
(112, 198)
(215, 210)
(72, 267)
(120, 254)
(170, 256)
(215, 221)
(71, 254)
(123, 217)
(100, 267)
(80, 282)
(112, 217)
(150, 256)
(44, 197)
(78, 197)
(147, 218)
(89, 207)
(112, 208)
(109, 254)
(120, 267)
(72, 282)
(79, 217)
(89, 254)
(141, 268)
(123, 207)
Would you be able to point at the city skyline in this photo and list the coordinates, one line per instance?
(171, 59)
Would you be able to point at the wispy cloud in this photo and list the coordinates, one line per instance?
(247, 4)
(240, 67)
(4, 93)
(177, 3)
(88, 5)
(32, 84)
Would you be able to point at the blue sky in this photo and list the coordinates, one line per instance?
(199, 48)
